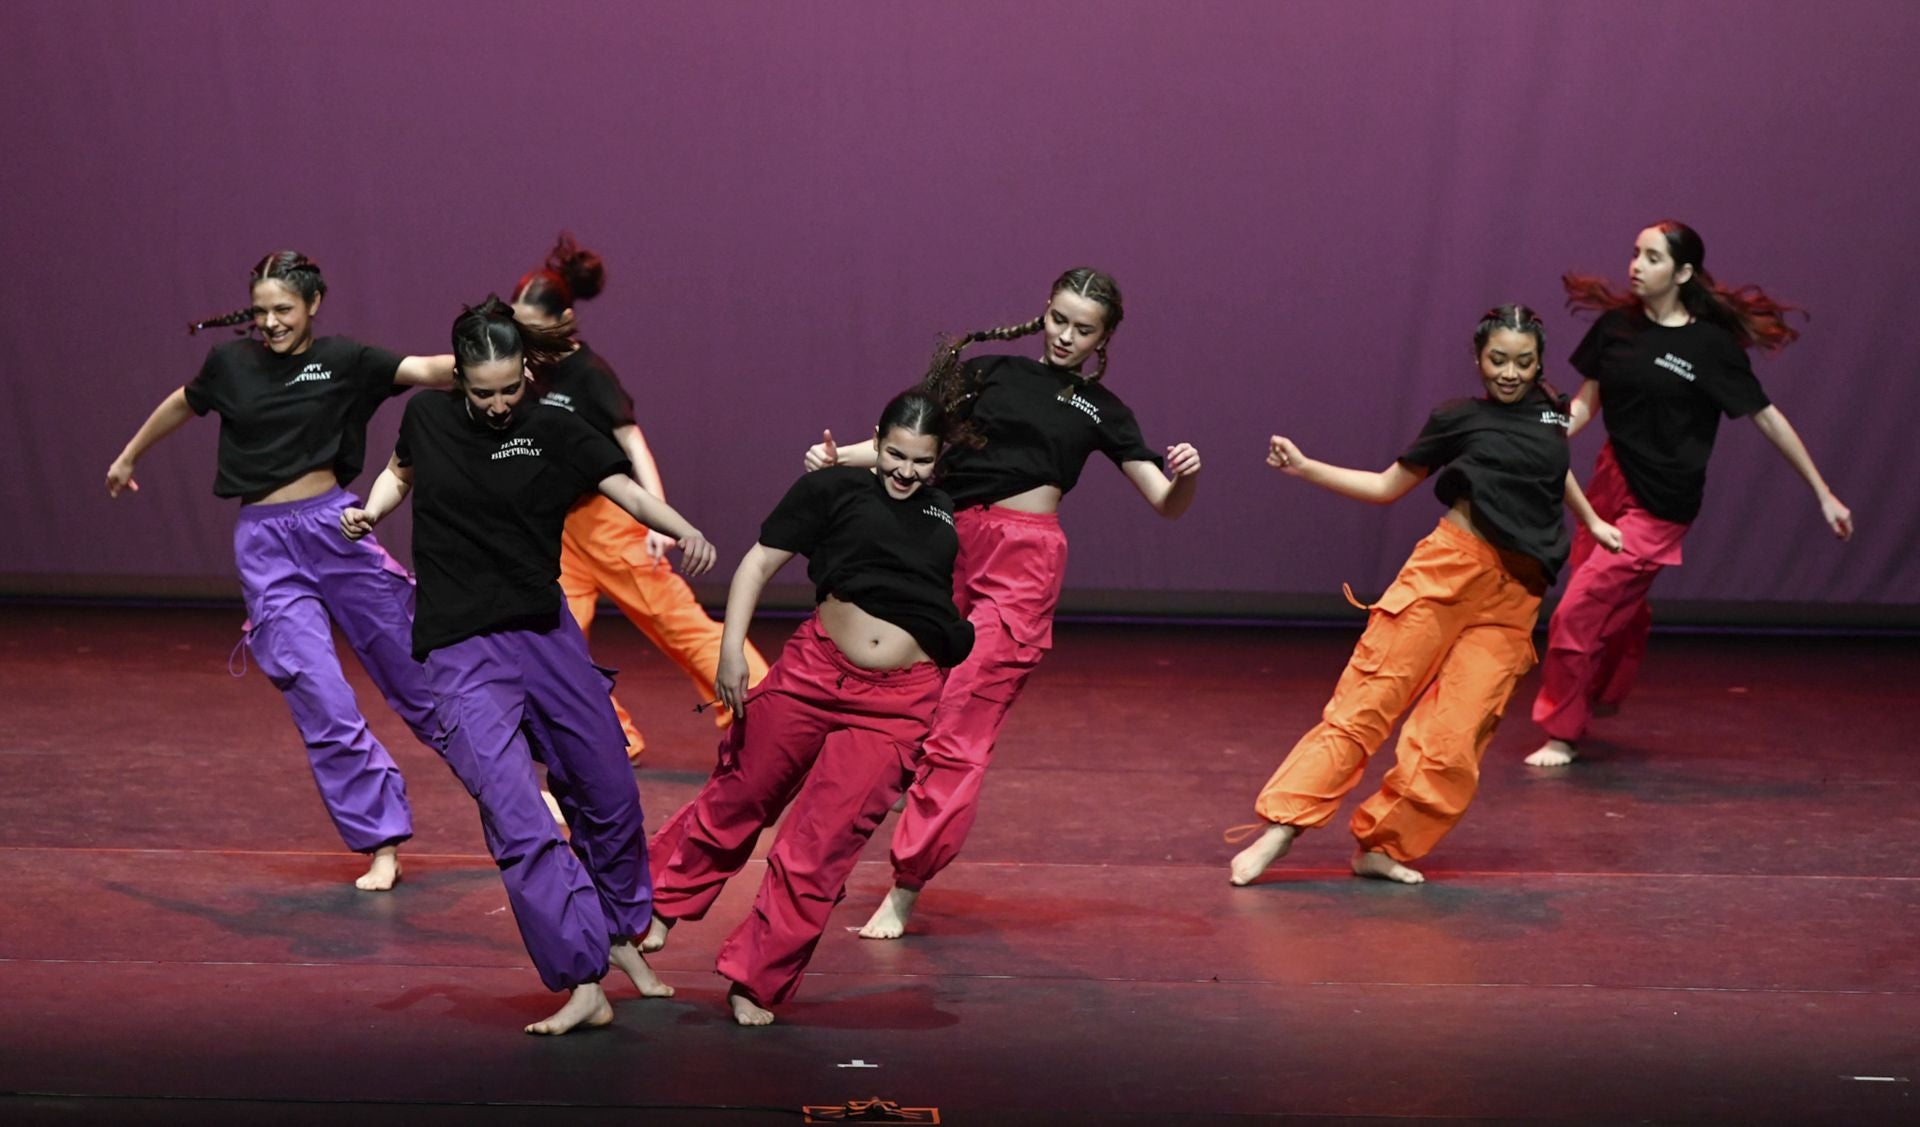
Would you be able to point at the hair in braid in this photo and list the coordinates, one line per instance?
(487, 331)
(1520, 319)
(289, 267)
(946, 380)
(1745, 311)
(571, 273)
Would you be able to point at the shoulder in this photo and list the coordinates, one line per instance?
(1453, 412)
(937, 498)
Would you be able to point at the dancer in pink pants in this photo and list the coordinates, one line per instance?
(1667, 360)
(1038, 421)
(836, 727)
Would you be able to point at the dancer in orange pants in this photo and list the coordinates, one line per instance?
(602, 551)
(1668, 360)
(1454, 631)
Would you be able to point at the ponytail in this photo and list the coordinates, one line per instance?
(1754, 318)
(290, 268)
(488, 331)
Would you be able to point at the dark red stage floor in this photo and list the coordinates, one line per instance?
(1714, 919)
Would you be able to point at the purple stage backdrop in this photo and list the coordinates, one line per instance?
(1308, 205)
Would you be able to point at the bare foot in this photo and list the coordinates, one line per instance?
(629, 959)
(656, 936)
(383, 873)
(553, 807)
(1382, 867)
(1553, 753)
(1270, 846)
(587, 1005)
(889, 920)
(745, 1012)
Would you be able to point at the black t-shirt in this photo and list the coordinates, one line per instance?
(892, 559)
(1032, 438)
(487, 511)
(584, 384)
(1662, 392)
(1511, 460)
(281, 416)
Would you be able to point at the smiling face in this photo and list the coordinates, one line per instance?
(1652, 276)
(1075, 327)
(494, 388)
(1509, 365)
(905, 460)
(284, 318)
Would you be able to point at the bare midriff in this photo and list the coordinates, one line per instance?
(310, 484)
(1040, 499)
(868, 642)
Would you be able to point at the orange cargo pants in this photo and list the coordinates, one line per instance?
(1453, 632)
(603, 550)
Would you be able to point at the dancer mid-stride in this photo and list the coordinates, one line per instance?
(1663, 363)
(835, 729)
(1454, 631)
(602, 550)
(493, 476)
(293, 434)
(1037, 422)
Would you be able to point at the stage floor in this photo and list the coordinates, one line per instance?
(1714, 918)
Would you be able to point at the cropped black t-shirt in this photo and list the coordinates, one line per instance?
(1511, 460)
(487, 511)
(1032, 437)
(892, 559)
(583, 383)
(281, 416)
(1662, 393)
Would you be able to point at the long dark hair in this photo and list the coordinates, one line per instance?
(918, 411)
(571, 273)
(487, 331)
(1754, 319)
(295, 270)
(946, 379)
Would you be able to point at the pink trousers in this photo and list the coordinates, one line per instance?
(838, 744)
(1006, 580)
(1598, 634)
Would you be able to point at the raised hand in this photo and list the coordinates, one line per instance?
(1182, 460)
(823, 454)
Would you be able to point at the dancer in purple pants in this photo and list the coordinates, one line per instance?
(494, 473)
(293, 431)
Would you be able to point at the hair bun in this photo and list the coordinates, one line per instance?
(582, 269)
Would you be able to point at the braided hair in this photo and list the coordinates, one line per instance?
(1519, 319)
(946, 379)
(488, 331)
(1745, 311)
(289, 267)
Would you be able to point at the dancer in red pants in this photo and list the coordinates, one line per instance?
(1454, 632)
(1038, 420)
(1666, 360)
(836, 727)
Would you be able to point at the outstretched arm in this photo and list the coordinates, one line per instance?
(1607, 535)
(827, 452)
(425, 371)
(1585, 402)
(1171, 492)
(169, 416)
(389, 489)
(1780, 432)
(1382, 488)
(743, 595)
(696, 555)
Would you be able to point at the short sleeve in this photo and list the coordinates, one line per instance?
(1438, 442)
(800, 521)
(1121, 440)
(1586, 354)
(591, 455)
(409, 427)
(203, 394)
(610, 399)
(377, 366)
(1735, 390)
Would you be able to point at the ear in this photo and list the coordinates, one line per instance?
(876, 436)
(1683, 275)
(313, 306)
